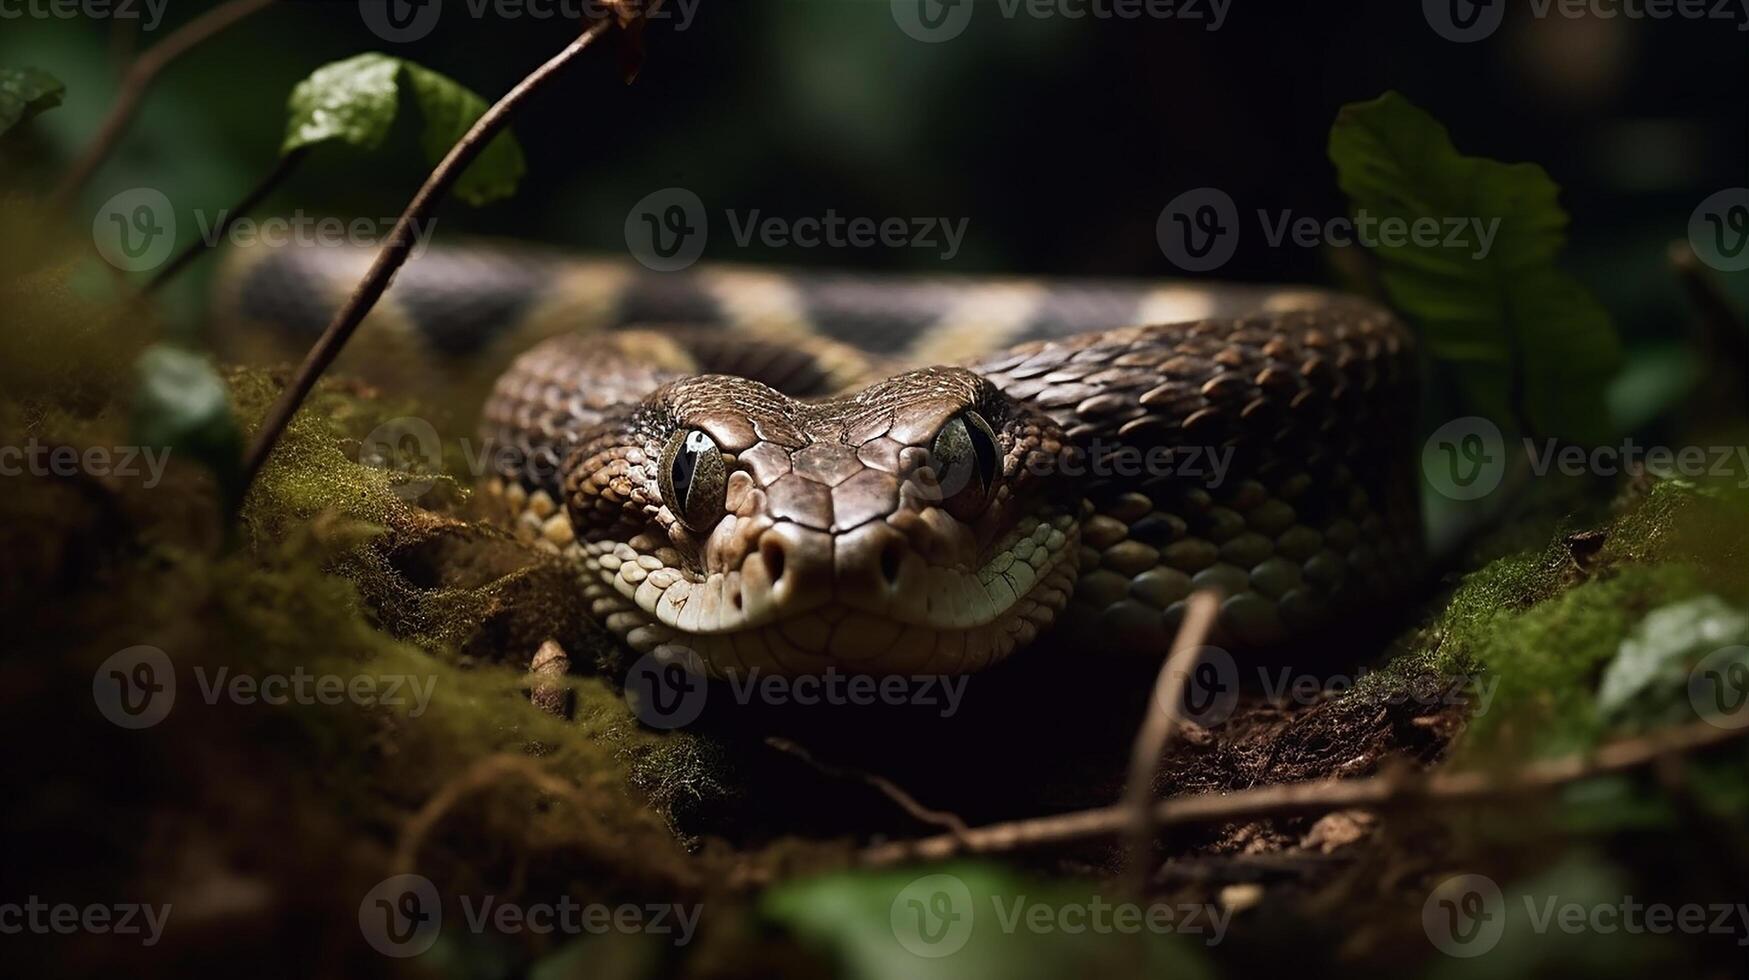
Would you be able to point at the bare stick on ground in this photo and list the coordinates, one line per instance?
(1161, 723)
(1375, 792)
(950, 822)
(140, 75)
(399, 247)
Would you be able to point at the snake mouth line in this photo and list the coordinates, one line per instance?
(913, 617)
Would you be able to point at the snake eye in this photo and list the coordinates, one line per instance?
(693, 479)
(966, 462)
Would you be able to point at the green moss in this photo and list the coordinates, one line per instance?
(1535, 628)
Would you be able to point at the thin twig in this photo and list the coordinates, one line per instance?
(284, 169)
(950, 822)
(139, 77)
(1314, 797)
(399, 247)
(483, 775)
(1160, 725)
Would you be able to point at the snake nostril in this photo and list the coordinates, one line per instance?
(891, 555)
(772, 551)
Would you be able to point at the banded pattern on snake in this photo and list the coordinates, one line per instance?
(791, 472)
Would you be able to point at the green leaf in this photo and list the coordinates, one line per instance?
(1525, 341)
(182, 404)
(981, 921)
(25, 92)
(1650, 679)
(356, 101)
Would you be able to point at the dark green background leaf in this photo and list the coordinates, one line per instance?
(25, 92)
(1528, 344)
(181, 403)
(356, 101)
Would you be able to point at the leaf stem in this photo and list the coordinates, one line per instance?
(288, 164)
(398, 248)
(139, 77)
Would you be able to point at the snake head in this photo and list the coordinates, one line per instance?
(915, 526)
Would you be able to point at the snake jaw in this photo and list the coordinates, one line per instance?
(834, 546)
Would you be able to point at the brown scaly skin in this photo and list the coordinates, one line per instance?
(1314, 514)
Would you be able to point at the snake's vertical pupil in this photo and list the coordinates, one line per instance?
(695, 479)
(966, 463)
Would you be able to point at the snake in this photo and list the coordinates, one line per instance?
(794, 472)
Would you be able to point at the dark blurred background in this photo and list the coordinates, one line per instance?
(1059, 139)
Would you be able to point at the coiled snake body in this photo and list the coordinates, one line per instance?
(789, 473)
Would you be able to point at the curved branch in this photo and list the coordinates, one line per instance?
(399, 248)
(139, 77)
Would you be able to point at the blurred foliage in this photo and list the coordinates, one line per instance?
(1525, 341)
(182, 405)
(356, 101)
(963, 920)
(24, 92)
